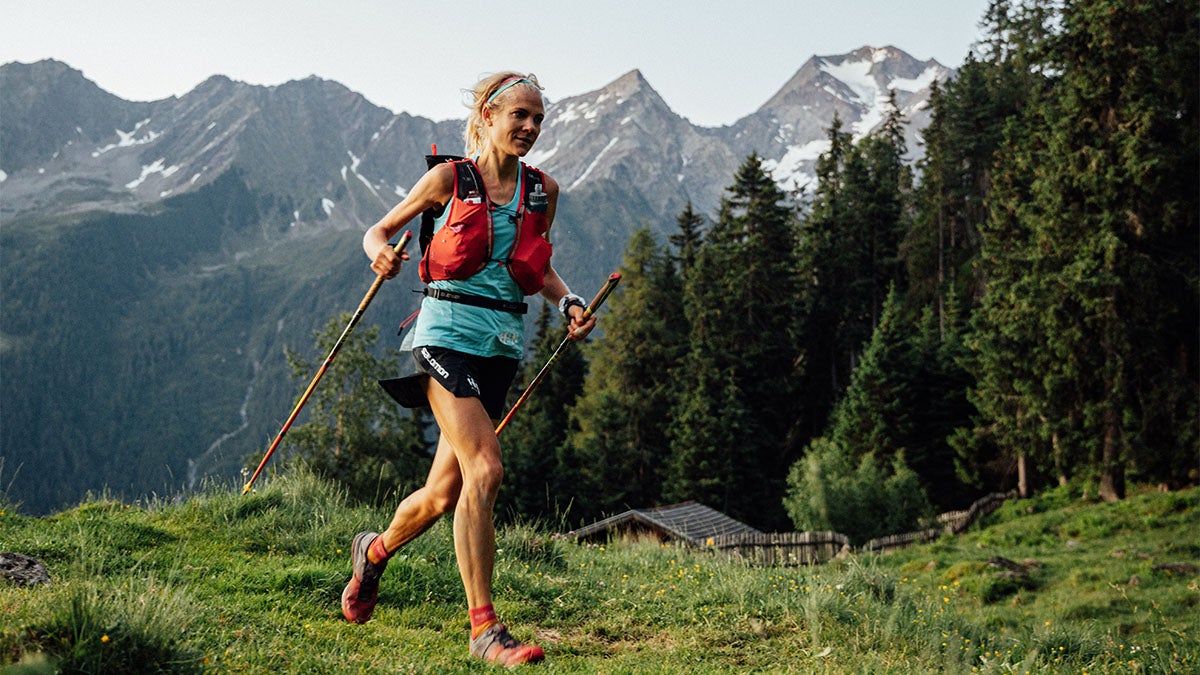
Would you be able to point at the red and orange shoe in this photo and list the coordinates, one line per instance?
(362, 592)
(497, 646)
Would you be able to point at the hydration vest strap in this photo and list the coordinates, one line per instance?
(428, 216)
(469, 182)
(477, 301)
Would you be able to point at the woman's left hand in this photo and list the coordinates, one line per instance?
(580, 326)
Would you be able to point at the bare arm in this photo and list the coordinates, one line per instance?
(432, 190)
(555, 287)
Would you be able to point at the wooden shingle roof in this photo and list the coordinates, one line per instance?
(691, 522)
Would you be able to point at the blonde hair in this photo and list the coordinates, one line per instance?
(488, 93)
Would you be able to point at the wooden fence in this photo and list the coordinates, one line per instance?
(814, 548)
(782, 548)
(954, 522)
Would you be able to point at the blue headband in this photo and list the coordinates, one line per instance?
(502, 88)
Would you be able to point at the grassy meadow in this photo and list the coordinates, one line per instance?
(225, 583)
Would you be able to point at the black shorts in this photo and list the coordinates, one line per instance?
(487, 378)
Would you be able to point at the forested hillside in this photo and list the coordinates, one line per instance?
(1019, 312)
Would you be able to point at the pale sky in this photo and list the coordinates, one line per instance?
(712, 61)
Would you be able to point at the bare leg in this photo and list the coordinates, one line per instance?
(465, 475)
(421, 509)
(415, 514)
(471, 434)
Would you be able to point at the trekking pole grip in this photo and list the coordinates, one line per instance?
(613, 280)
(404, 239)
(398, 248)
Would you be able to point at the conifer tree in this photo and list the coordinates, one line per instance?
(1089, 325)
(741, 307)
(884, 213)
(939, 396)
(960, 142)
(712, 451)
(942, 249)
(857, 479)
(994, 85)
(876, 412)
(824, 286)
(619, 432)
(850, 253)
(534, 477)
(356, 435)
(925, 250)
(688, 238)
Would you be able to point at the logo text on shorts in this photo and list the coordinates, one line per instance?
(433, 363)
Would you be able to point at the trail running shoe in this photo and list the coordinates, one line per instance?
(358, 600)
(496, 645)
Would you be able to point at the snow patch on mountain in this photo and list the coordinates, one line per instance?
(590, 109)
(864, 77)
(355, 161)
(856, 75)
(788, 171)
(922, 81)
(539, 157)
(128, 139)
(569, 114)
(150, 170)
(594, 163)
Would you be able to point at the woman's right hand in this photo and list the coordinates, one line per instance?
(386, 262)
(432, 190)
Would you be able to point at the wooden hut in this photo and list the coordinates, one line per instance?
(690, 523)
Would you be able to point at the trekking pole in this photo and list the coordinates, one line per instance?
(337, 346)
(613, 279)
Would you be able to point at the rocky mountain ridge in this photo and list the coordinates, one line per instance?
(72, 146)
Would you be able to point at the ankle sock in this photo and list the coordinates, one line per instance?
(376, 553)
(481, 619)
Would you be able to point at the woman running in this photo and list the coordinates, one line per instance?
(490, 248)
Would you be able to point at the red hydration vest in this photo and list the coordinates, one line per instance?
(463, 246)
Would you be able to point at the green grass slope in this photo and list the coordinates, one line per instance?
(225, 583)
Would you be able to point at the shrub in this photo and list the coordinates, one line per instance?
(828, 491)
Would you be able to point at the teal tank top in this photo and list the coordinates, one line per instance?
(478, 330)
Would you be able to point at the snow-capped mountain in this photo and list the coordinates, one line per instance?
(791, 129)
(625, 134)
(70, 146)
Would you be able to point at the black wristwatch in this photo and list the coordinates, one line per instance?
(566, 301)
